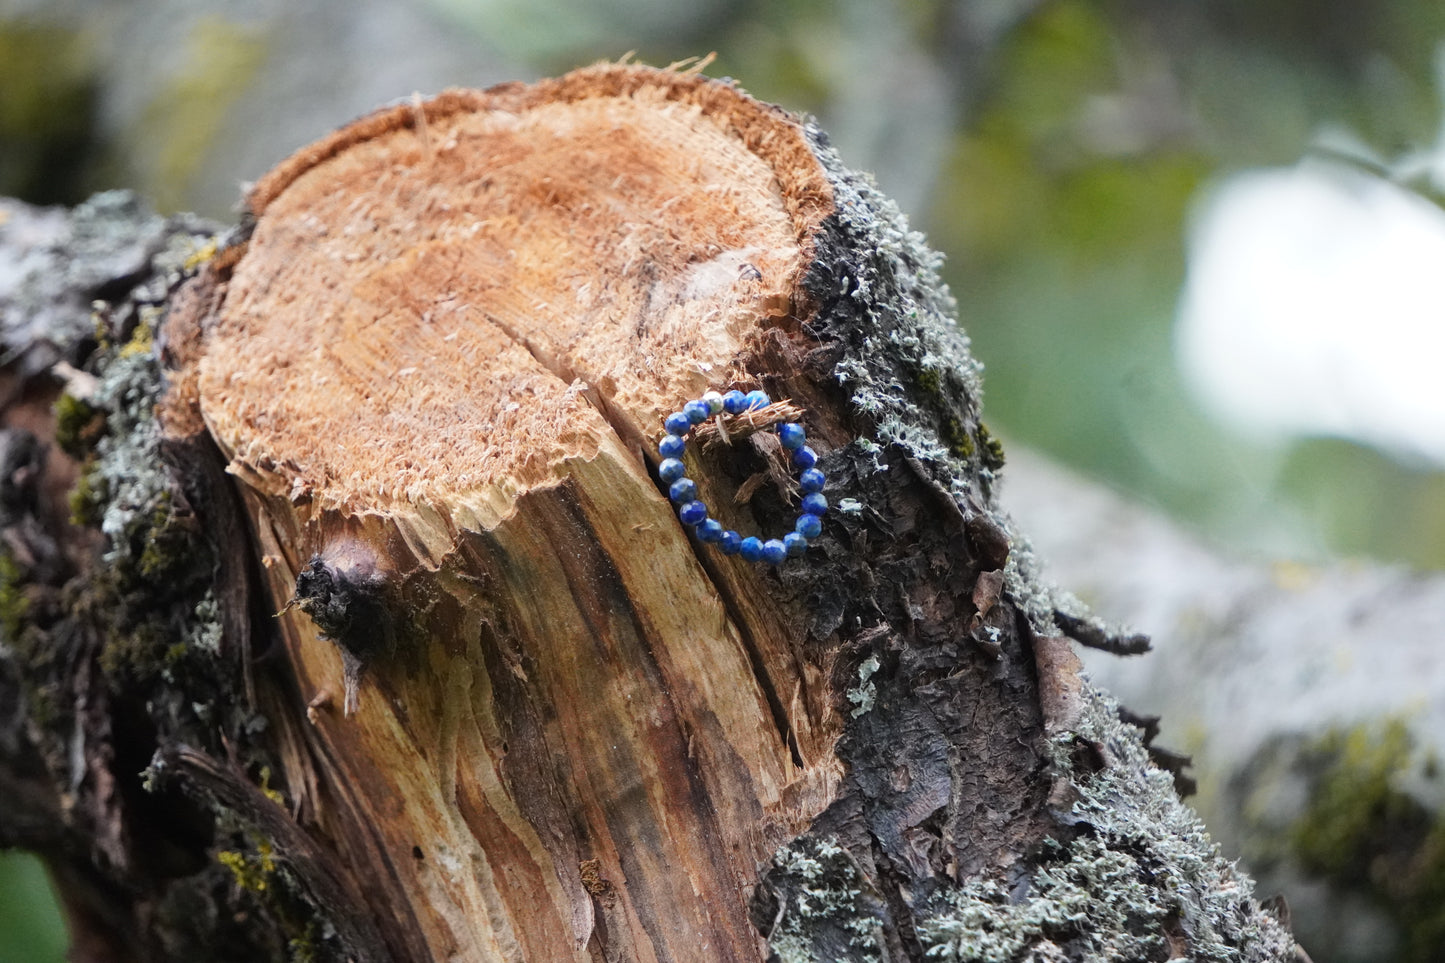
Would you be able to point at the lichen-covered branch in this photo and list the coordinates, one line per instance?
(973, 826)
(117, 578)
(580, 734)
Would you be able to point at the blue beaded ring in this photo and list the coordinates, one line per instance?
(682, 491)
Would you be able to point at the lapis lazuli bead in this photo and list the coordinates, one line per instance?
(696, 412)
(751, 549)
(792, 436)
(683, 490)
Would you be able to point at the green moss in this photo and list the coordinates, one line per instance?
(14, 604)
(1363, 833)
(155, 582)
(993, 457)
(956, 436)
(168, 548)
(26, 641)
(304, 948)
(930, 381)
(87, 498)
(139, 652)
(77, 425)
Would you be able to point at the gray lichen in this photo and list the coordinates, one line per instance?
(1096, 891)
(127, 461)
(1141, 879)
(1129, 872)
(908, 368)
(825, 894)
(61, 262)
(82, 289)
(865, 693)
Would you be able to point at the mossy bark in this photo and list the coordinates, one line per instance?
(880, 751)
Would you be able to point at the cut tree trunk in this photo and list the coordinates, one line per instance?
(474, 691)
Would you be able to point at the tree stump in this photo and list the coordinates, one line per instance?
(513, 708)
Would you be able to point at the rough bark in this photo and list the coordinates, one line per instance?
(430, 670)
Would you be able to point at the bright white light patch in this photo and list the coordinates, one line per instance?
(1315, 305)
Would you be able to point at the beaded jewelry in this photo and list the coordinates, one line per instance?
(682, 491)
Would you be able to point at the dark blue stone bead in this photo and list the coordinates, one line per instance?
(814, 503)
(792, 436)
(795, 544)
(735, 402)
(774, 551)
(812, 480)
(672, 446)
(683, 490)
(805, 457)
(751, 548)
(809, 526)
(696, 412)
(677, 423)
(758, 399)
(710, 530)
(671, 470)
(692, 513)
(731, 543)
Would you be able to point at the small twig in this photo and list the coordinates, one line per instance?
(1095, 636)
(727, 429)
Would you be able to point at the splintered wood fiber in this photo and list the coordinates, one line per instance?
(456, 295)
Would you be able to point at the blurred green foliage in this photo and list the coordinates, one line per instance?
(1064, 210)
(173, 135)
(31, 930)
(48, 93)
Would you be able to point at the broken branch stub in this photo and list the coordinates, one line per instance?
(440, 362)
(438, 365)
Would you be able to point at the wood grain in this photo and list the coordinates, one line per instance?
(447, 350)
